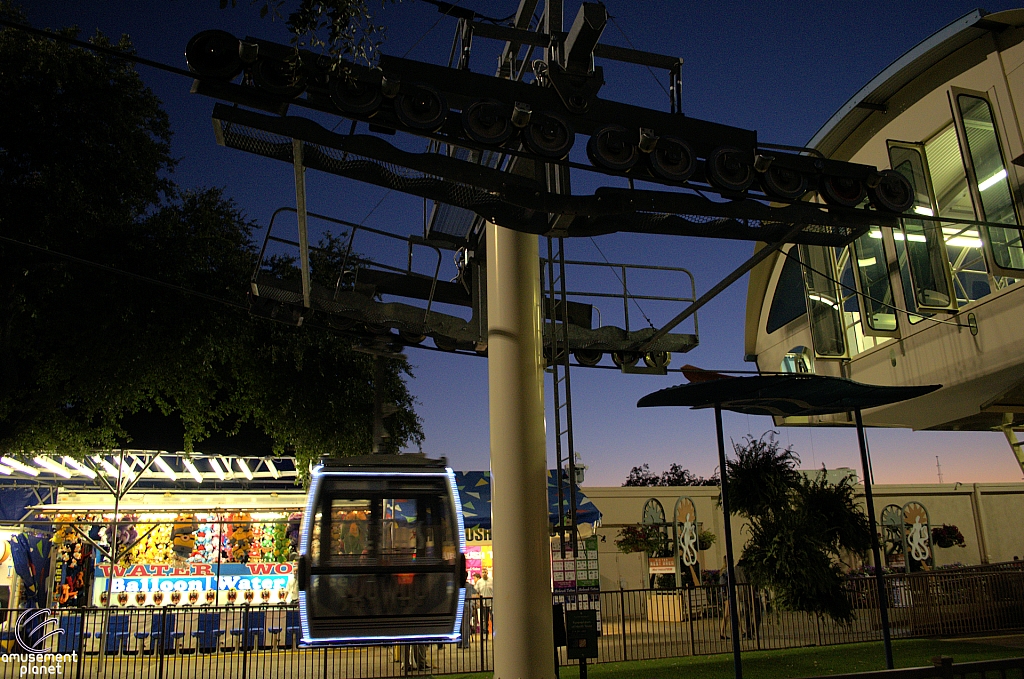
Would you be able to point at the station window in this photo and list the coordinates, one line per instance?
(991, 181)
(824, 310)
(873, 277)
(953, 199)
(924, 267)
(861, 335)
(788, 302)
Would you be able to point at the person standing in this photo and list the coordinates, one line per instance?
(485, 590)
(723, 584)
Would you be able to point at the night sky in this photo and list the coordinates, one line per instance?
(780, 68)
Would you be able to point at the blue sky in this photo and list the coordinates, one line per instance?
(780, 68)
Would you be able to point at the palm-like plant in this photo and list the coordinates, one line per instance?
(799, 527)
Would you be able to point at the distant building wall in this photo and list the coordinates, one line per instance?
(989, 515)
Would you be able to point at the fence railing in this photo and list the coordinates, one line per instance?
(262, 641)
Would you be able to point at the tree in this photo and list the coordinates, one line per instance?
(341, 28)
(799, 528)
(673, 476)
(121, 292)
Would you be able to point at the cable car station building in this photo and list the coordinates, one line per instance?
(936, 300)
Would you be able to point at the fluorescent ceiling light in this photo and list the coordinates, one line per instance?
(875, 233)
(922, 210)
(825, 300)
(191, 467)
(19, 466)
(165, 468)
(78, 467)
(127, 469)
(913, 237)
(110, 469)
(245, 468)
(964, 242)
(215, 466)
(870, 261)
(5, 470)
(272, 468)
(51, 466)
(992, 181)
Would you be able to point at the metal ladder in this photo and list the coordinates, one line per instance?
(557, 354)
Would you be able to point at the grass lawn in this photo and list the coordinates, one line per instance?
(796, 662)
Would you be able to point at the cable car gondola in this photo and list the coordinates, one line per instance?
(381, 555)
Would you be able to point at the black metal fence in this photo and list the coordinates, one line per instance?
(262, 641)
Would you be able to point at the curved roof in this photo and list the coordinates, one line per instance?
(929, 58)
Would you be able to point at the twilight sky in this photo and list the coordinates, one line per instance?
(780, 68)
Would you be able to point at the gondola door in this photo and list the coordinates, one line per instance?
(382, 553)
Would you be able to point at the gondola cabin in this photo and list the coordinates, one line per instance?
(381, 557)
(938, 297)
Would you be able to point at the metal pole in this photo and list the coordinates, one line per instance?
(519, 520)
(883, 599)
(733, 608)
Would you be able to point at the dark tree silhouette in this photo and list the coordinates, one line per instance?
(121, 292)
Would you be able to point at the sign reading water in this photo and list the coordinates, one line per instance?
(139, 585)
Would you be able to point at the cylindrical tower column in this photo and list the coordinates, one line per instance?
(523, 647)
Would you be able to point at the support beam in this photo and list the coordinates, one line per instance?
(300, 211)
(883, 598)
(758, 257)
(519, 505)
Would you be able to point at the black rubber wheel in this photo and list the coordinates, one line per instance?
(842, 191)
(357, 97)
(213, 54)
(588, 357)
(657, 359)
(728, 169)
(625, 358)
(421, 107)
(278, 77)
(488, 122)
(894, 193)
(445, 343)
(783, 183)
(673, 160)
(411, 338)
(549, 135)
(611, 148)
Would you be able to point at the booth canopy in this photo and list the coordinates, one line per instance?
(475, 490)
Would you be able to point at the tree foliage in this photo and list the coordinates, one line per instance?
(800, 528)
(89, 219)
(340, 28)
(675, 475)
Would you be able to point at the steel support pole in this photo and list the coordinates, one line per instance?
(730, 561)
(519, 501)
(883, 598)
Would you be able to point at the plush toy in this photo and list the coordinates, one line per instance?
(184, 540)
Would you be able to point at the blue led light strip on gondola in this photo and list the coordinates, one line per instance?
(316, 479)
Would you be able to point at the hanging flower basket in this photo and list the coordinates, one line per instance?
(947, 536)
(705, 539)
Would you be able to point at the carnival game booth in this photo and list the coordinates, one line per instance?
(575, 572)
(195, 571)
(182, 572)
